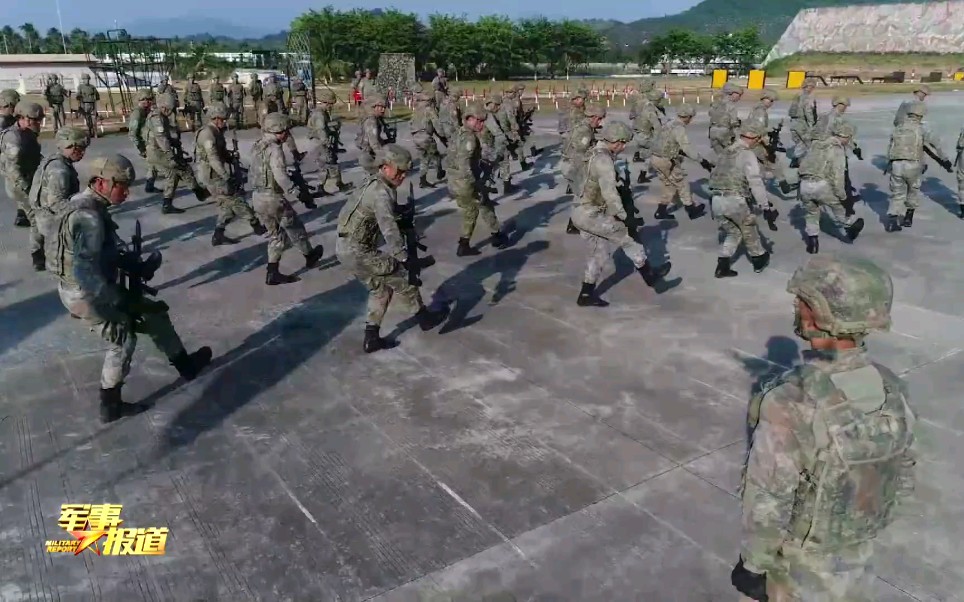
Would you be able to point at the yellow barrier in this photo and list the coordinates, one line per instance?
(959, 76)
(795, 79)
(756, 80)
(719, 77)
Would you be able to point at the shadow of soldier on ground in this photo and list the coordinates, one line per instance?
(533, 217)
(935, 189)
(653, 237)
(186, 231)
(533, 183)
(23, 318)
(877, 200)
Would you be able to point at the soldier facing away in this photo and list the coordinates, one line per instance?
(425, 129)
(299, 101)
(137, 135)
(256, 90)
(87, 97)
(495, 143)
(164, 154)
(647, 124)
(235, 102)
(766, 152)
(921, 92)
(193, 103)
(669, 149)
(600, 216)
(803, 117)
(19, 158)
(724, 119)
(271, 188)
(450, 113)
(326, 131)
(368, 216)
(831, 456)
(440, 84)
(8, 102)
(56, 96)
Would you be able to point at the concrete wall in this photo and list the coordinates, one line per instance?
(29, 79)
(931, 27)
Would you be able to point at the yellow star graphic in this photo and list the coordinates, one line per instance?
(87, 538)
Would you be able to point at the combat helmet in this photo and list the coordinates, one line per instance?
(848, 295)
(116, 168)
(394, 154)
(165, 101)
(810, 81)
(495, 99)
(840, 99)
(654, 95)
(917, 107)
(85, 78)
(217, 110)
(731, 88)
(595, 109)
(686, 111)
(327, 96)
(923, 89)
(616, 131)
(70, 137)
(769, 95)
(146, 94)
(30, 110)
(645, 85)
(752, 129)
(9, 98)
(580, 93)
(275, 123)
(376, 100)
(474, 109)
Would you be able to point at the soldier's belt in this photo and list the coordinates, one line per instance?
(342, 235)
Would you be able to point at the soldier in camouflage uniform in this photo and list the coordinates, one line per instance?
(959, 164)
(299, 101)
(256, 91)
(450, 113)
(217, 91)
(803, 118)
(87, 97)
(647, 124)
(164, 154)
(467, 181)
(669, 148)
(832, 451)
(581, 141)
(636, 103)
(921, 92)
(440, 84)
(137, 135)
(326, 131)
(367, 219)
(193, 104)
(371, 134)
(235, 102)
(85, 253)
(905, 156)
(165, 87)
(8, 102)
(425, 127)
(824, 128)
(724, 119)
(19, 158)
(823, 183)
(600, 216)
(274, 96)
(736, 185)
(215, 172)
(574, 114)
(495, 143)
(767, 156)
(270, 185)
(367, 85)
(54, 182)
(56, 96)
(508, 119)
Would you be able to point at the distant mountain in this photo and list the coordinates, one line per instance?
(187, 27)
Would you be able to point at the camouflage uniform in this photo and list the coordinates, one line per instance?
(582, 139)
(137, 135)
(637, 102)
(163, 156)
(367, 85)
(574, 114)
(56, 96)
(270, 185)
(274, 97)
(326, 131)
(734, 182)
(600, 216)
(217, 92)
(215, 171)
(19, 158)
(256, 90)
(54, 182)
(425, 127)
(450, 114)
(371, 134)
(669, 148)
(724, 119)
(8, 101)
(235, 101)
(959, 163)
(905, 154)
(495, 142)
(440, 84)
(508, 119)
(803, 118)
(823, 182)
(193, 104)
(921, 91)
(825, 125)
(299, 101)
(647, 124)
(87, 97)
(832, 454)
(760, 115)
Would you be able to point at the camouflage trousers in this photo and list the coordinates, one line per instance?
(192, 114)
(603, 232)
(905, 181)
(813, 576)
(88, 110)
(299, 110)
(815, 194)
(472, 208)
(383, 276)
(121, 336)
(800, 137)
(236, 112)
(738, 224)
(720, 138)
(327, 162)
(60, 117)
(672, 177)
(428, 151)
(230, 206)
(280, 220)
(23, 204)
(173, 173)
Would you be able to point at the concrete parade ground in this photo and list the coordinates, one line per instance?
(530, 449)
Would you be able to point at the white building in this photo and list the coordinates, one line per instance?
(28, 73)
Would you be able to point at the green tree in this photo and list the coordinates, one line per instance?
(31, 37)
(499, 44)
(452, 44)
(13, 43)
(536, 41)
(53, 42)
(78, 41)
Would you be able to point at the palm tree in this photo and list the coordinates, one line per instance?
(78, 40)
(31, 37)
(12, 41)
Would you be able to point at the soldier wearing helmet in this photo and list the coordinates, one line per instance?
(299, 101)
(217, 172)
(164, 154)
(325, 131)
(85, 254)
(647, 119)
(468, 183)
(274, 96)
(824, 129)
(738, 190)
(8, 101)
(138, 135)
(724, 118)
(766, 151)
(824, 183)
(87, 97)
(54, 182)
(921, 92)
(495, 143)
(508, 119)
(450, 113)
(832, 452)
(426, 128)
(573, 114)
(600, 215)
(581, 141)
(669, 148)
(272, 193)
(440, 84)
(193, 103)
(374, 132)
(367, 85)
(803, 118)
(56, 96)
(19, 159)
(217, 92)
(235, 102)
(367, 219)
(905, 156)
(256, 91)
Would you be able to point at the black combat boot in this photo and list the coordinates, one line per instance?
(373, 342)
(112, 407)
(257, 227)
(439, 173)
(662, 213)
(813, 245)
(201, 193)
(569, 191)
(893, 224)
(508, 187)
(167, 207)
(314, 256)
(571, 228)
(853, 230)
(345, 186)
(424, 183)
(500, 240)
(274, 277)
(189, 365)
(760, 262)
(219, 238)
(961, 210)
(637, 158)
(465, 249)
(149, 186)
(535, 152)
(651, 275)
(723, 268)
(21, 221)
(695, 211)
(523, 164)
(785, 187)
(642, 178)
(908, 219)
(428, 319)
(39, 260)
(589, 298)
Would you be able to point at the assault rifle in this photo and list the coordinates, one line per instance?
(773, 145)
(334, 137)
(179, 155)
(306, 194)
(391, 132)
(135, 272)
(525, 122)
(239, 175)
(405, 217)
(625, 189)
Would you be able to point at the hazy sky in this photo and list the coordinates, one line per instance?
(100, 14)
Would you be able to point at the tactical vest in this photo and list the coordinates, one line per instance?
(760, 115)
(217, 93)
(259, 173)
(816, 163)
(460, 158)
(27, 159)
(907, 142)
(360, 226)
(56, 94)
(727, 179)
(194, 93)
(151, 134)
(419, 119)
(591, 190)
(650, 116)
(796, 110)
(86, 93)
(36, 199)
(667, 146)
(718, 115)
(61, 261)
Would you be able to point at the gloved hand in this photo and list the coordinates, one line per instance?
(858, 153)
(705, 164)
(749, 584)
(946, 164)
